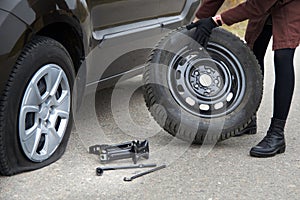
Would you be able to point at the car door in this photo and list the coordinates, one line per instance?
(112, 13)
(171, 7)
(121, 29)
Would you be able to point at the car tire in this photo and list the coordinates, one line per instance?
(35, 108)
(202, 96)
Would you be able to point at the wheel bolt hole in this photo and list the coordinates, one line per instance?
(46, 123)
(51, 110)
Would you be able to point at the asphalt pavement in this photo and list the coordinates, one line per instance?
(222, 171)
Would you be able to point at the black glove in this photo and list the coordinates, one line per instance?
(203, 30)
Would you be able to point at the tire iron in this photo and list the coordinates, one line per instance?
(127, 179)
(100, 170)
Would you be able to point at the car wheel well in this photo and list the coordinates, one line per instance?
(69, 38)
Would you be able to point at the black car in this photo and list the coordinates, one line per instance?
(47, 45)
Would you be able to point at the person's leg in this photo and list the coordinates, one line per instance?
(284, 82)
(259, 49)
(274, 142)
(261, 44)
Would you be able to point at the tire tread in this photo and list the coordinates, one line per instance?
(5, 168)
(170, 125)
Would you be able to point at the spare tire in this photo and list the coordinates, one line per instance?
(202, 95)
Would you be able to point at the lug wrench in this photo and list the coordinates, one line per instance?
(144, 173)
(100, 170)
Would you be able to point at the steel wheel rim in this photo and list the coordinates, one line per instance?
(44, 112)
(207, 86)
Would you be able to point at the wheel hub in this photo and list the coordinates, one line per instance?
(205, 81)
(44, 112)
(206, 84)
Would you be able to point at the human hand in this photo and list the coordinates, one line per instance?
(204, 28)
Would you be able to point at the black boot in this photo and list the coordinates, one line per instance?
(273, 143)
(250, 129)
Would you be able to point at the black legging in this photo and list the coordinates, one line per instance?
(284, 73)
